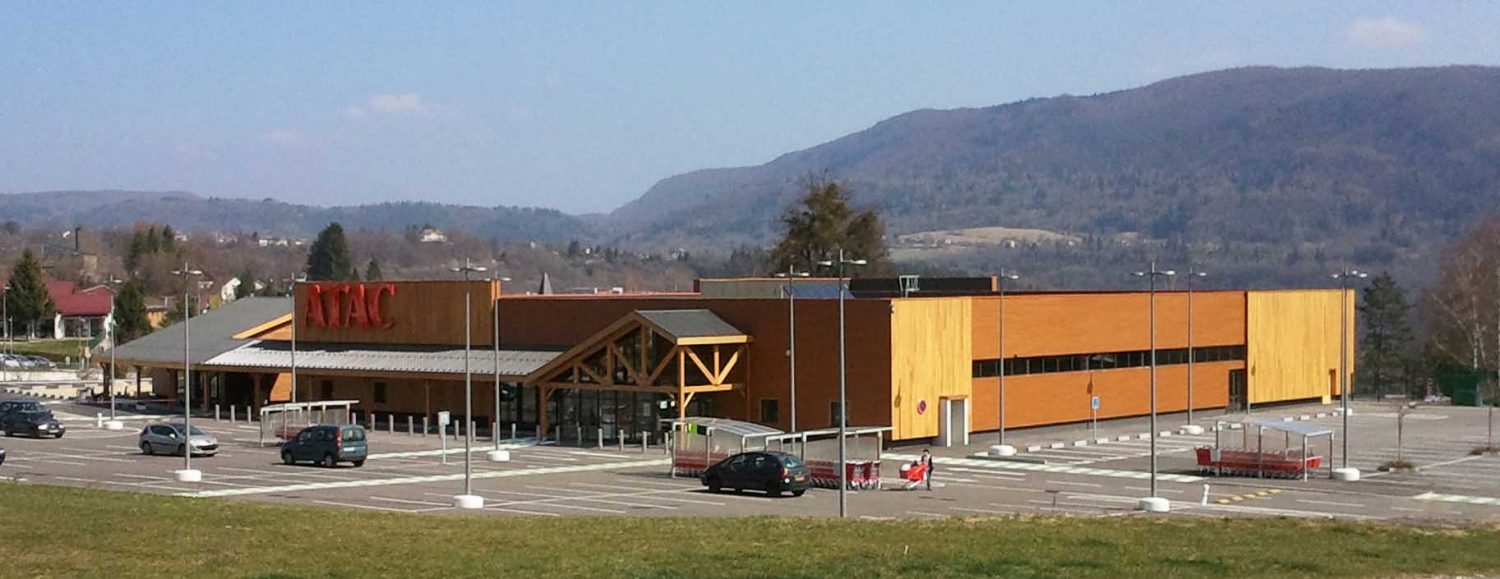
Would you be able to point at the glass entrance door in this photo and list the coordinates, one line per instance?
(1238, 391)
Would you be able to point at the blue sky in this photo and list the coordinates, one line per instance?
(583, 106)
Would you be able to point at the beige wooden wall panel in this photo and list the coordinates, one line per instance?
(1294, 343)
(931, 359)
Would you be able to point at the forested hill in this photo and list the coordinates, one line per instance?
(189, 212)
(1383, 162)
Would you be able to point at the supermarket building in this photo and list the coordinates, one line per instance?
(923, 362)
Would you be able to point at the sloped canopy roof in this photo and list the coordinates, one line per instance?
(689, 323)
(382, 358)
(213, 333)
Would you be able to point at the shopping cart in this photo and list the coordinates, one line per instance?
(914, 474)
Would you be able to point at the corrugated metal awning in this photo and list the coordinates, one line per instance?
(690, 323)
(378, 358)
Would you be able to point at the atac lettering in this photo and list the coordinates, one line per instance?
(347, 305)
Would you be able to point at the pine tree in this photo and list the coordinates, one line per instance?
(328, 258)
(168, 242)
(27, 300)
(130, 313)
(1387, 336)
(821, 224)
(246, 287)
(372, 271)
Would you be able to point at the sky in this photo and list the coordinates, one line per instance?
(582, 106)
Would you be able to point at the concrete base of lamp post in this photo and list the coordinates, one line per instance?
(1347, 474)
(188, 475)
(1002, 450)
(498, 455)
(1192, 429)
(114, 425)
(468, 501)
(1155, 505)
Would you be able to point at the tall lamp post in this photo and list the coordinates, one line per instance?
(1154, 503)
(114, 341)
(468, 500)
(841, 262)
(497, 455)
(1002, 449)
(291, 292)
(5, 321)
(189, 277)
(1191, 273)
(1345, 472)
(791, 324)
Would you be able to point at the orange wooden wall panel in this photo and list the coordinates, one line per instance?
(1054, 324)
(423, 312)
(1039, 399)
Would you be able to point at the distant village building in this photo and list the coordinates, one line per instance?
(80, 313)
(432, 235)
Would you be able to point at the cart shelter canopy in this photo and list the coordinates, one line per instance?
(1297, 428)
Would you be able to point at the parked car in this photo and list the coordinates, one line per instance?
(10, 362)
(10, 406)
(327, 445)
(773, 472)
(40, 362)
(2, 456)
(167, 438)
(38, 424)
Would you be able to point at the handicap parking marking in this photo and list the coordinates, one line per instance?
(1472, 500)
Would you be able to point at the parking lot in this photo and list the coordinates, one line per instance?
(407, 474)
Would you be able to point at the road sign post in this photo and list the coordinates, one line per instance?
(1094, 414)
(443, 419)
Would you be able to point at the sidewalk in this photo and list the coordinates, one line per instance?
(1134, 428)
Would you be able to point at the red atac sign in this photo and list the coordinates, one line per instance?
(348, 305)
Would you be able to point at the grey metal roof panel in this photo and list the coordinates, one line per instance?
(1301, 428)
(690, 323)
(382, 358)
(212, 332)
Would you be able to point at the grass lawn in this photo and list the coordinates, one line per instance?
(55, 350)
(56, 531)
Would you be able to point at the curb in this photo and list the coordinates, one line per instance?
(1162, 434)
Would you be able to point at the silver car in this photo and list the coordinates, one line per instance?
(167, 438)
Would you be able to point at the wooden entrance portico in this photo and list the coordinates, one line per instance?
(680, 353)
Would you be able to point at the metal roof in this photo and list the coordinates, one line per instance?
(213, 333)
(382, 358)
(1300, 428)
(727, 426)
(690, 323)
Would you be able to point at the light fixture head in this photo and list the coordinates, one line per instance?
(1168, 272)
(825, 263)
(859, 262)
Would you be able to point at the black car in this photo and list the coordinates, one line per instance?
(9, 407)
(38, 424)
(773, 472)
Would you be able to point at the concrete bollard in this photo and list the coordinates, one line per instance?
(424, 426)
(557, 434)
(232, 414)
(512, 431)
(578, 434)
(216, 412)
(408, 426)
(644, 440)
(621, 440)
(599, 436)
(98, 420)
(390, 424)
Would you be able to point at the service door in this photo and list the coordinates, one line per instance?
(1238, 390)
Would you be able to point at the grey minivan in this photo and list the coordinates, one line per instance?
(327, 445)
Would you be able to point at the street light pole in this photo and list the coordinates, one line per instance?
(1154, 503)
(843, 386)
(495, 424)
(1343, 276)
(291, 286)
(468, 500)
(791, 324)
(1003, 449)
(187, 474)
(5, 322)
(1190, 275)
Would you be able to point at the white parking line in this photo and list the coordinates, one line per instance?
(373, 507)
(410, 502)
(1331, 503)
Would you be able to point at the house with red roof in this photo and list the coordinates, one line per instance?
(80, 313)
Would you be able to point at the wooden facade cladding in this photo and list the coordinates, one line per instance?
(1057, 324)
(1293, 351)
(931, 353)
(419, 312)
